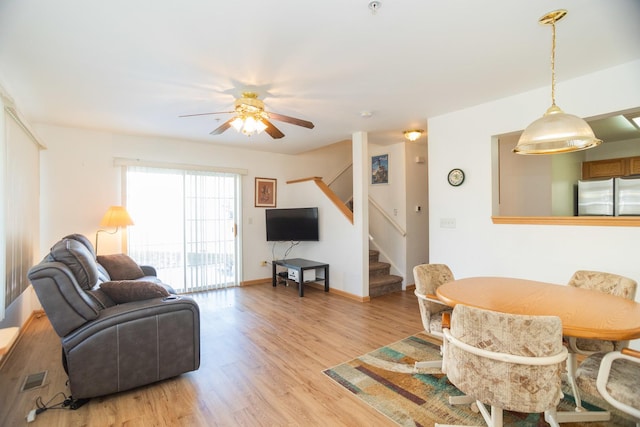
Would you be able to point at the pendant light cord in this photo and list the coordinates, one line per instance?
(553, 63)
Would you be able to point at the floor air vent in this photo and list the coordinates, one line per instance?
(34, 381)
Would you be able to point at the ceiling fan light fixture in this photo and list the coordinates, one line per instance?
(556, 131)
(260, 126)
(251, 118)
(248, 125)
(413, 135)
(238, 123)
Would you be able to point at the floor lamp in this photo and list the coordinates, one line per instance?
(116, 216)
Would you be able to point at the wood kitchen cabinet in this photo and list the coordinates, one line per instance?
(611, 168)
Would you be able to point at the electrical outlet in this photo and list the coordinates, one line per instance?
(263, 263)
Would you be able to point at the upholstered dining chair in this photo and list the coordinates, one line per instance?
(508, 361)
(616, 377)
(607, 283)
(428, 278)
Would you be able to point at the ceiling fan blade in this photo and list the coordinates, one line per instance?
(273, 131)
(291, 120)
(226, 125)
(206, 114)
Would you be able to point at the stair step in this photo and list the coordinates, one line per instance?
(379, 268)
(380, 281)
(382, 285)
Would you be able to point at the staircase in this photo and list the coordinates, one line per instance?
(380, 281)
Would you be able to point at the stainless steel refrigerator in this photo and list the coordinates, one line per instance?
(627, 196)
(596, 197)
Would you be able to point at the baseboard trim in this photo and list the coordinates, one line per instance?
(350, 295)
(255, 282)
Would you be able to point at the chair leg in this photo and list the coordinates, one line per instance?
(572, 366)
(550, 417)
(580, 414)
(493, 418)
(461, 400)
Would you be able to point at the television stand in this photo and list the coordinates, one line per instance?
(299, 266)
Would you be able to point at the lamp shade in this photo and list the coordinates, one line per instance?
(556, 132)
(116, 216)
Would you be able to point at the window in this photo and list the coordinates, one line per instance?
(185, 225)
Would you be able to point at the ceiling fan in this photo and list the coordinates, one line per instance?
(251, 118)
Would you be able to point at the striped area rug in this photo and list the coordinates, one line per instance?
(386, 380)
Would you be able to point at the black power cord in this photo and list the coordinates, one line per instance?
(67, 402)
(42, 406)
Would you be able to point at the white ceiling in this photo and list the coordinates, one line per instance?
(134, 66)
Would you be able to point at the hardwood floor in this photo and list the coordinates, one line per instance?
(263, 350)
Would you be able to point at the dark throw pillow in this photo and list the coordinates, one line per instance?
(121, 267)
(123, 291)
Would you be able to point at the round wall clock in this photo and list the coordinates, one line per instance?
(456, 177)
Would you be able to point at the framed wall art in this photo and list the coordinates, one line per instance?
(380, 169)
(266, 192)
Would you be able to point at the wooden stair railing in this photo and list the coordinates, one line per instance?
(329, 193)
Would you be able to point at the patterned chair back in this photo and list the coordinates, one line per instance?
(607, 283)
(520, 387)
(428, 278)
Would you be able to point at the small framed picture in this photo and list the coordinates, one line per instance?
(380, 169)
(265, 193)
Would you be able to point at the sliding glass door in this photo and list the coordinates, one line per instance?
(185, 225)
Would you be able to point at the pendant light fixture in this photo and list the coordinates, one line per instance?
(556, 131)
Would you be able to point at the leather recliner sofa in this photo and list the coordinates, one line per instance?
(110, 347)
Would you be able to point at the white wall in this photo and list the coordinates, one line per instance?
(79, 182)
(525, 182)
(566, 171)
(327, 161)
(417, 242)
(476, 246)
(3, 200)
(339, 241)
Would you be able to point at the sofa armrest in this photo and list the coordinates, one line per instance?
(149, 270)
(133, 344)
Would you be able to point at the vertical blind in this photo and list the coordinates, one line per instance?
(184, 225)
(20, 206)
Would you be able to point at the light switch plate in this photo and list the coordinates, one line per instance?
(447, 223)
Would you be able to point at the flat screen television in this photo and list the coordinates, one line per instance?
(294, 224)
